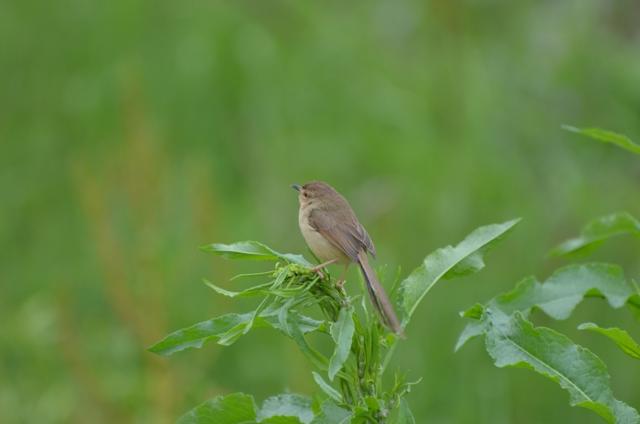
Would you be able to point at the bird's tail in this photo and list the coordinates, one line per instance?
(378, 296)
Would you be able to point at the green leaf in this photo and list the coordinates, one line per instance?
(474, 312)
(471, 330)
(373, 404)
(619, 336)
(258, 290)
(597, 231)
(254, 315)
(342, 334)
(635, 300)
(230, 337)
(286, 406)
(514, 341)
(559, 295)
(326, 387)
(332, 414)
(253, 250)
(448, 262)
(283, 317)
(607, 137)
(317, 358)
(294, 325)
(236, 408)
(197, 335)
(402, 414)
(227, 328)
(565, 289)
(303, 323)
(280, 420)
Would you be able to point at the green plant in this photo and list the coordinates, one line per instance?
(605, 136)
(350, 378)
(511, 339)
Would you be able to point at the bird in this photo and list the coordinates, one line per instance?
(333, 233)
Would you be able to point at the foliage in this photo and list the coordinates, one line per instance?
(512, 340)
(620, 337)
(557, 296)
(605, 136)
(354, 389)
(598, 231)
(449, 262)
(134, 131)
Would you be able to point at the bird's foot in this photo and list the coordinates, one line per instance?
(318, 268)
(340, 284)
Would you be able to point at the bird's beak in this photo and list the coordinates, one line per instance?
(296, 187)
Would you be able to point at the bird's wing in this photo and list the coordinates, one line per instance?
(363, 236)
(349, 236)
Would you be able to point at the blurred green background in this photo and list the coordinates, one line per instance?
(134, 131)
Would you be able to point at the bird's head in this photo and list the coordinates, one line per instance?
(313, 192)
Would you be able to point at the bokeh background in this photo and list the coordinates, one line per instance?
(133, 131)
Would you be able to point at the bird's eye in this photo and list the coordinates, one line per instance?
(305, 194)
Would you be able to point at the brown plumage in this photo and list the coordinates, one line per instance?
(334, 234)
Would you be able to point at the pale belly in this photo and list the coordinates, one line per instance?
(323, 249)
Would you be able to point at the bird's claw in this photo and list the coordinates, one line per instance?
(318, 268)
(319, 272)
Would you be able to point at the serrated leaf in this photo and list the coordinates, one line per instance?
(621, 338)
(514, 341)
(448, 262)
(326, 387)
(198, 334)
(566, 288)
(607, 137)
(287, 406)
(342, 335)
(253, 250)
(559, 294)
(330, 413)
(236, 408)
(226, 328)
(597, 231)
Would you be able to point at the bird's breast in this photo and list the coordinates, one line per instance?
(320, 246)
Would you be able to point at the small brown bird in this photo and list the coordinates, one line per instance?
(334, 235)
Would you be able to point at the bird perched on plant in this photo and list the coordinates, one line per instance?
(334, 235)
